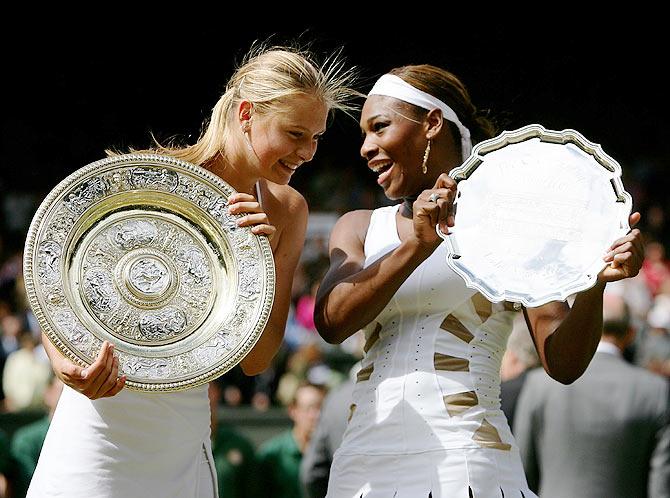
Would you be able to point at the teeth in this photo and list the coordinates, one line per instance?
(291, 166)
(380, 167)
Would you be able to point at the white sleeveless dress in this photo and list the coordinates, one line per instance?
(425, 418)
(132, 445)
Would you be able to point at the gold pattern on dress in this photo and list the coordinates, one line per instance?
(451, 363)
(453, 325)
(483, 307)
(365, 373)
(459, 402)
(374, 336)
(352, 409)
(488, 437)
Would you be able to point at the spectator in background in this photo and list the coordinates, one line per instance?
(234, 455)
(298, 365)
(27, 441)
(5, 467)
(519, 357)
(335, 414)
(605, 435)
(655, 268)
(26, 375)
(304, 309)
(280, 456)
(654, 350)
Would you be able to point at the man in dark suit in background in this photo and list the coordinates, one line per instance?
(605, 435)
(520, 357)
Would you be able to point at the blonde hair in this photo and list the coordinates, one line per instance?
(268, 77)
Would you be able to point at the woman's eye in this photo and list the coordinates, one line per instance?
(378, 126)
(296, 134)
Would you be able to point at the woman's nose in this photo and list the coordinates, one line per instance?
(368, 149)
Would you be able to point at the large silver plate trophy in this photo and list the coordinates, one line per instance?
(141, 251)
(536, 210)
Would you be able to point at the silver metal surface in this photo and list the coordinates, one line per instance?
(536, 210)
(141, 251)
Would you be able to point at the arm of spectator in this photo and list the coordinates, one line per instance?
(99, 380)
(526, 428)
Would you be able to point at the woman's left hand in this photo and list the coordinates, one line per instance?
(241, 203)
(625, 256)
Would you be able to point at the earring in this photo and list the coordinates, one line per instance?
(245, 131)
(425, 158)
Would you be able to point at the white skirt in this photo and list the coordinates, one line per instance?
(133, 445)
(458, 473)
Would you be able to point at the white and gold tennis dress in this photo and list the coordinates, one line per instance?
(425, 418)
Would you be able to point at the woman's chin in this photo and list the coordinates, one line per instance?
(392, 193)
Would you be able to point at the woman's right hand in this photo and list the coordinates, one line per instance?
(427, 213)
(99, 380)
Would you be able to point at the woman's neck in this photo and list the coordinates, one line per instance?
(234, 169)
(406, 206)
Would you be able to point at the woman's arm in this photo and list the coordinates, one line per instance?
(351, 296)
(99, 380)
(286, 257)
(566, 338)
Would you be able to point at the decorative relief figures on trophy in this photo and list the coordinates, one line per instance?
(141, 251)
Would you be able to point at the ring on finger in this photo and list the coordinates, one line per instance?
(433, 197)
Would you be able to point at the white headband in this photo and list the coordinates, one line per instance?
(391, 85)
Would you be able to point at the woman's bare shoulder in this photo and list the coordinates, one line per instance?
(285, 197)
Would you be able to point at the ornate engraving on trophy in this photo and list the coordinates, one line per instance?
(81, 198)
(61, 224)
(142, 251)
(149, 276)
(145, 367)
(249, 286)
(133, 233)
(99, 291)
(154, 178)
(161, 325)
(195, 264)
(74, 331)
(48, 262)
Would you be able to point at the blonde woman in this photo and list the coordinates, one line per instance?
(108, 442)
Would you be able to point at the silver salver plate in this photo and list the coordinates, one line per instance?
(536, 210)
(141, 251)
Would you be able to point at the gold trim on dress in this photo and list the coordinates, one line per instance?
(483, 307)
(460, 402)
(450, 363)
(374, 337)
(365, 373)
(352, 409)
(454, 326)
(487, 436)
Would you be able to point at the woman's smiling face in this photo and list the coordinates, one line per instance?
(282, 141)
(393, 145)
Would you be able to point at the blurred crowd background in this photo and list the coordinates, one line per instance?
(250, 413)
